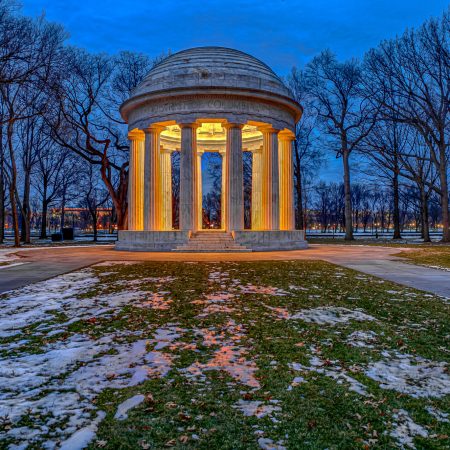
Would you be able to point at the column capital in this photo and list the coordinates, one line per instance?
(268, 129)
(193, 125)
(286, 136)
(154, 128)
(230, 125)
(136, 135)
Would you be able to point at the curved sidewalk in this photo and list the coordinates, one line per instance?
(37, 264)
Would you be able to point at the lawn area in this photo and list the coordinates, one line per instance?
(438, 256)
(271, 355)
(383, 242)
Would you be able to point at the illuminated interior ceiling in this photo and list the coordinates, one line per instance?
(211, 136)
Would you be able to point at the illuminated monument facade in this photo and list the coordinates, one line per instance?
(211, 99)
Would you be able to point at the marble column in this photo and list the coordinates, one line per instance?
(136, 181)
(166, 189)
(152, 188)
(199, 191)
(257, 209)
(235, 179)
(270, 191)
(188, 177)
(286, 171)
(224, 190)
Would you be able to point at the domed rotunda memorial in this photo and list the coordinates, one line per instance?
(202, 100)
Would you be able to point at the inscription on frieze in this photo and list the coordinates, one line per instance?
(177, 108)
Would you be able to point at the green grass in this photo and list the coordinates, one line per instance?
(318, 414)
(430, 256)
(383, 242)
(184, 412)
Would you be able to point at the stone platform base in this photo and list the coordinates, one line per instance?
(166, 241)
(151, 241)
(261, 241)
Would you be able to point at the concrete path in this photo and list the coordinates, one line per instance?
(38, 264)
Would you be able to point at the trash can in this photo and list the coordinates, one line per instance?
(67, 234)
(57, 237)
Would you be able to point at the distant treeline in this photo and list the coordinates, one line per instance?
(63, 142)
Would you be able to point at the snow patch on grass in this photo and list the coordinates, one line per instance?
(405, 429)
(257, 408)
(230, 357)
(35, 303)
(362, 339)
(332, 315)
(440, 416)
(269, 444)
(124, 407)
(81, 438)
(59, 385)
(329, 369)
(412, 375)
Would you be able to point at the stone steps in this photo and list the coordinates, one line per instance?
(211, 242)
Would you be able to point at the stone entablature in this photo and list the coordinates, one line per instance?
(182, 108)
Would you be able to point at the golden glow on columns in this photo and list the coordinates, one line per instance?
(166, 190)
(152, 175)
(199, 191)
(270, 179)
(136, 181)
(223, 196)
(286, 170)
(257, 186)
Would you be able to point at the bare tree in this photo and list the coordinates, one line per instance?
(87, 120)
(344, 112)
(55, 168)
(410, 77)
(307, 154)
(27, 66)
(93, 195)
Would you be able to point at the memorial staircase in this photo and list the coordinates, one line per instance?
(211, 242)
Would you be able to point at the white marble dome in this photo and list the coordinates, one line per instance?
(211, 67)
(212, 83)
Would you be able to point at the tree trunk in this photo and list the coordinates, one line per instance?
(13, 184)
(298, 190)
(348, 198)
(119, 197)
(94, 224)
(2, 188)
(63, 209)
(26, 209)
(425, 214)
(44, 212)
(444, 195)
(396, 212)
(14, 214)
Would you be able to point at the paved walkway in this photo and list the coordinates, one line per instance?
(38, 264)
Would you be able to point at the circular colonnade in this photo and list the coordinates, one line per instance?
(211, 99)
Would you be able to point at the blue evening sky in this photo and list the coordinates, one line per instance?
(282, 33)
